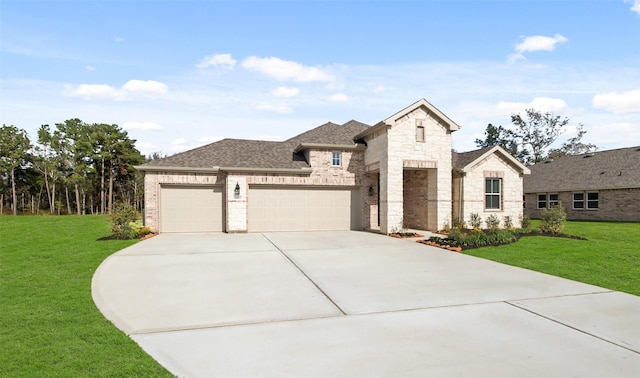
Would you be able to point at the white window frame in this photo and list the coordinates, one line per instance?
(493, 194)
(539, 202)
(553, 202)
(589, 202)
(582, 200)
(336, 159)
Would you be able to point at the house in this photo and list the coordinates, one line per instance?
(603, 185)
(399, 173)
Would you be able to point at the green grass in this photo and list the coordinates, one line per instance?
(610, 258)
(49, 325)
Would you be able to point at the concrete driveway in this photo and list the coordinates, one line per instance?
(355, 304)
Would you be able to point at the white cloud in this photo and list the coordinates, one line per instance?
(217, 60)
(286, 70)
(536, 43)
(543, 104)
(89, 68)
(339, 97)
(276, 108)
(179, 142)
(285, 92)
(635, 5)
(106, 91)
(624, 102)
(150, 86)
(96, 91)
(147, 126)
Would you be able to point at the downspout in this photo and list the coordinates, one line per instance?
(460, 210)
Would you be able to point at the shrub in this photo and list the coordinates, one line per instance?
(141, 231)
(458, 224)
(508, 222)
(552, 220)
(121, 217)
(525, 221)
(475, 221)
(493, 222)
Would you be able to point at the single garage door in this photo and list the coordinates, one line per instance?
(191, 209)
(303, 209)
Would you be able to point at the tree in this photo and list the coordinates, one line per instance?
(498, 136)
(14, 147)
(530, 138)
(573, 146)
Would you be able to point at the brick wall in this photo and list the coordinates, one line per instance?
(613, 205)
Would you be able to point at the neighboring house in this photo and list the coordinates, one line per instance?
(602, 185)
(393, 175)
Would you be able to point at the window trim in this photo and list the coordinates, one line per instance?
(493, 194)
(538, 201)
(420, 135)
(573, 201)
(550, 202)
(589, 201)
(336, 155)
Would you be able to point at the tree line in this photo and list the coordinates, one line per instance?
(71, 168)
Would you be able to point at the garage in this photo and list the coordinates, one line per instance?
(191, 209)
(303, 209)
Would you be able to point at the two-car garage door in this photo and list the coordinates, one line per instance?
(303, 209)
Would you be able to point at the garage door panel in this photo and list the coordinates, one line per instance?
(303, 209)
(191, 209)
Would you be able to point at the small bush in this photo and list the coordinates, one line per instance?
(458, 224)
(121, 217)
(493, 222)
(508, 222)
(141, 231)
(475, 221)
(552, 220)
(525, 221)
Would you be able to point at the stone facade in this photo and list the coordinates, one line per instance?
(613, 205)
(472, 187)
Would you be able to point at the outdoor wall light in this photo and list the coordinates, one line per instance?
(236, 191)
(370, 190)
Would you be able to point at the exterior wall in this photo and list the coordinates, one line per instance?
(403, 151)
(375, 166)
(154, 180)
(613, 205)
(350, 174)
(473, 189)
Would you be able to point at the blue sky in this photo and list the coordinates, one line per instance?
(179, 74)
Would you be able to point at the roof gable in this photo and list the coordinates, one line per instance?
(449, 123)
(465, 161)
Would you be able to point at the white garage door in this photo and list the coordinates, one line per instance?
(303, 209)
(191, 209)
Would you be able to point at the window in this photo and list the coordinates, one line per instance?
(553, 200)
(336, 159)
(542, 201)
(578, 201)
(592, 200)
(419, 133)
(492, 193)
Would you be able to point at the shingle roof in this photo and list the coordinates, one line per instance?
(245, 153)
(459, 160)
(612, 169)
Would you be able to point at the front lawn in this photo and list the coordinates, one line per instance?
(610, 258)
(49, 325)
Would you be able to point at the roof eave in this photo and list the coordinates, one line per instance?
(151, 168)
(311, 146)
(523, 169)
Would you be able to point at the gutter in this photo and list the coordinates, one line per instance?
(307, 146)
(299, 171)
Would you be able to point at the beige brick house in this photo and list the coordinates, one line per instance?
(603, 185)
(399, 173)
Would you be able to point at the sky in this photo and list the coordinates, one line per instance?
(181, 74)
